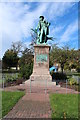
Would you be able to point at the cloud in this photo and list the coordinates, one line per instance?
(56, 30)
(30, 19)
(70, 30)
(17, 18)
(39, 0)
(16, 22)
(59, 9)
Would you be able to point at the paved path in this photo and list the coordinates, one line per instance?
(40, 89)
(31, 106)
(35, 104)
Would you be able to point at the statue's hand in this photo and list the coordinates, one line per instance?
(35, 30)
(49, 23)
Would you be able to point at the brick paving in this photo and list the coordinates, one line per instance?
(40, 89)
(35, 103)
(31, 106)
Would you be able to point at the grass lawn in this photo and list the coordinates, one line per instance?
(0, 81)
(64, 105)
(9, 99)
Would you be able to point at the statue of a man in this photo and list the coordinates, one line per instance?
(43, 30)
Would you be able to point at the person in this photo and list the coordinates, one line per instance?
(43, 30)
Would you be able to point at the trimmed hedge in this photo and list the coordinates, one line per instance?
(59, 76)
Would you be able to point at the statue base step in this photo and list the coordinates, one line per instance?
(42, 80)
(41, 77)
(40, 83)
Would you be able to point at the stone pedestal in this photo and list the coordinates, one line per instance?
(41, 63)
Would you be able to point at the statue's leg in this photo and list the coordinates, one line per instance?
(45, 36)
(41, 35)
(38, 38)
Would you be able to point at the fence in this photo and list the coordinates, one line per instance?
(39, 86)
(8, 76)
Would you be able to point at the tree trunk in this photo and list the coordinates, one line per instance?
(62, 67)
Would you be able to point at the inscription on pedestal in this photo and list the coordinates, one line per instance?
(41, 58)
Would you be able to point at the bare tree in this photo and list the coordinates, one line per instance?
(17, 46)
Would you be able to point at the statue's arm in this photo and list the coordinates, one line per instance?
(47, 23)
(37, 26)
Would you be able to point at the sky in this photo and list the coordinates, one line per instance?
(17, 19)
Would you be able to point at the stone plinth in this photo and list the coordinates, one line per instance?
(41, 63)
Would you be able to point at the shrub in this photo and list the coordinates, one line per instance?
(26, 71)
(78, 69)
(10, 78)
(58, 76)
(72, 81)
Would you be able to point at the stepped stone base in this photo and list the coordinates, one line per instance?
(41, 65)
(40, 83)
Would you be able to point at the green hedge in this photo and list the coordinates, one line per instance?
(10, 71)
(59, 76)
(26, 71)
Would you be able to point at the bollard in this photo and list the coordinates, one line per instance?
(30, 85)
(2, 82)
(66, 86)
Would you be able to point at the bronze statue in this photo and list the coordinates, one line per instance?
(42, 31)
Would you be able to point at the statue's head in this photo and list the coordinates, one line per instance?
(41, 17)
